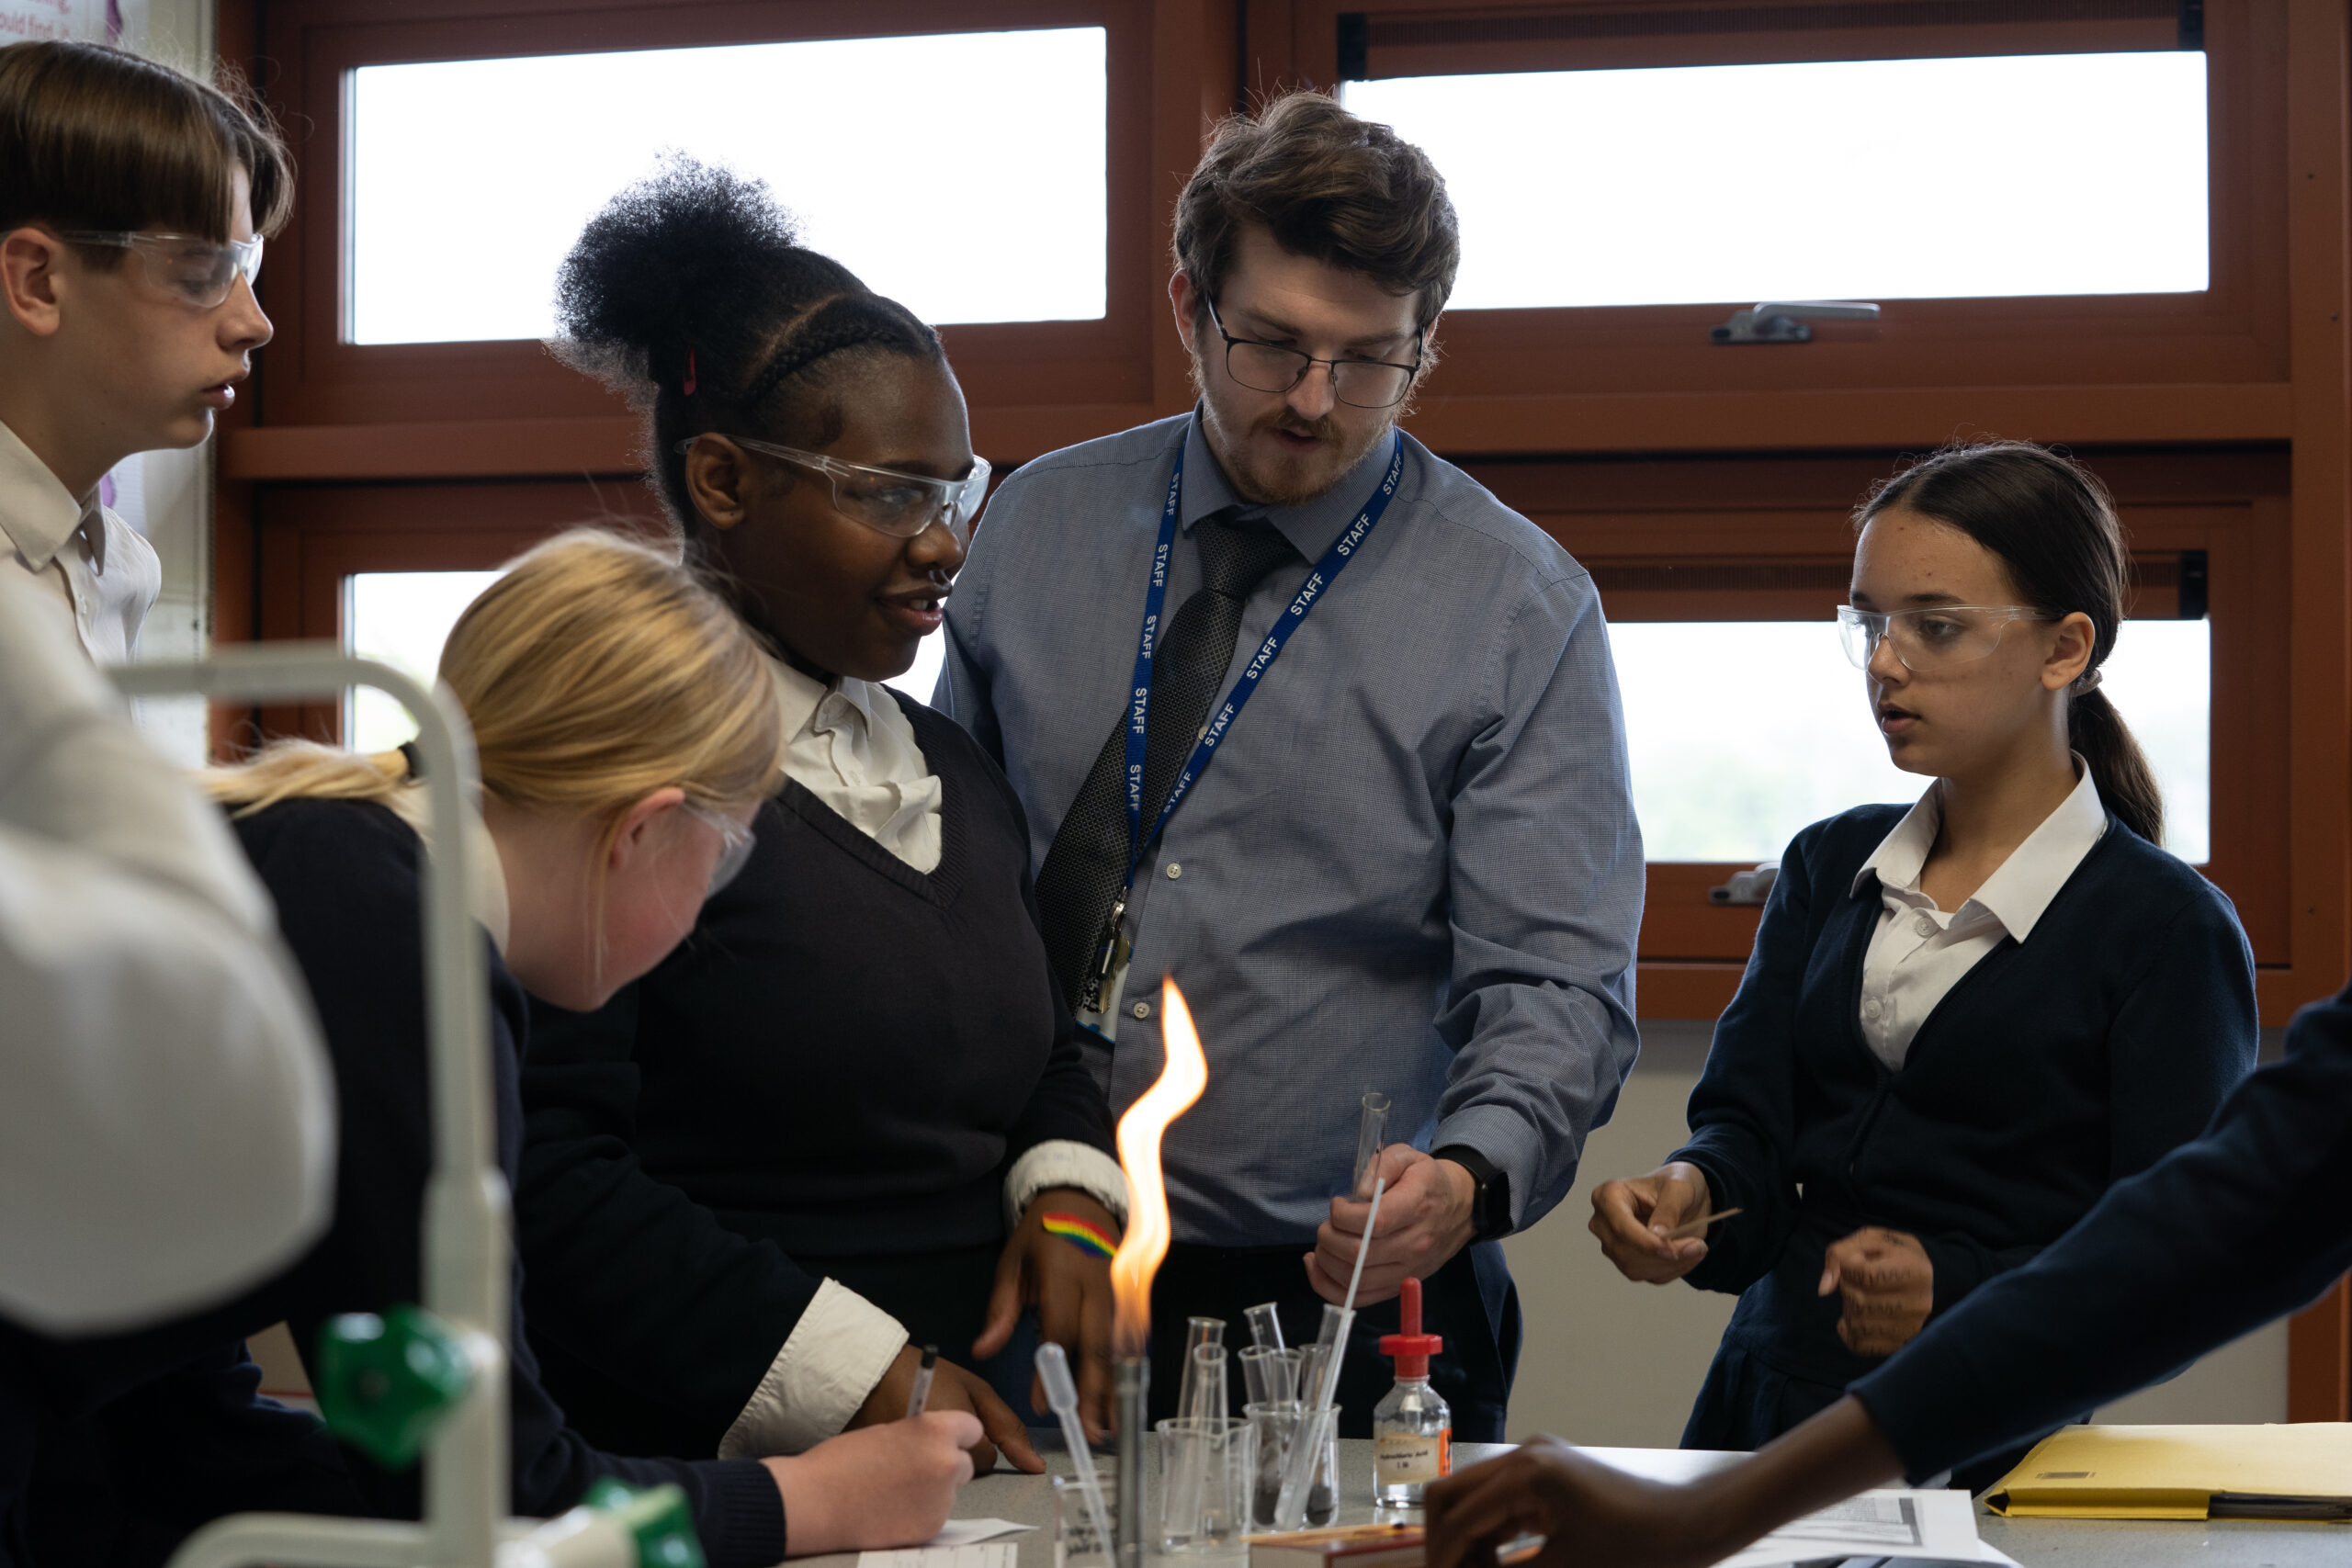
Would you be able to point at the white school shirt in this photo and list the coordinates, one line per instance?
(1918, 952)
(88, 562)
(168, 1124)
(850, 744)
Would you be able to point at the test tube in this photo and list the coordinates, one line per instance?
(1265, 1327)
(1200, 1332)
(1371, 1128)
(1204, 1382)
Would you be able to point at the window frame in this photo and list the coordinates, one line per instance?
(319, 379)
(2207, 365)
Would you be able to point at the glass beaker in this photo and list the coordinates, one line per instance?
(1206, 1468)
(1277, 1426)
(1076, 1544)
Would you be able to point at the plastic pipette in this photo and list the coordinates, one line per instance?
(1053, 1366)
(1290, 1504)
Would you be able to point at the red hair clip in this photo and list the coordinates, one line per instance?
(688, 388)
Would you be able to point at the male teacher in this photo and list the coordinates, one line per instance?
(1305, 717)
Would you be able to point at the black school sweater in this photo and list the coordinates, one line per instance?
(842, 1059)
(144, 1437)
(2053, 1068)
(2246, 1225)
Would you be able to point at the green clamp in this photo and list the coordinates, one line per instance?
(386, 1383)
(657, 1515)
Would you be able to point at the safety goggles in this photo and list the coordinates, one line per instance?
(735, 843)
(887, 500)
(1930, 639)
(199, 272)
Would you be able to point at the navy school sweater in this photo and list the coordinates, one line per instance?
(138, 1439)
(2053, 1068)
(2248, 1223)
(842, 1059)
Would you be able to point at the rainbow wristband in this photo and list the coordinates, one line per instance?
(1083, 1234)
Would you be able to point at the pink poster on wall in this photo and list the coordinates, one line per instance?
(90, 21)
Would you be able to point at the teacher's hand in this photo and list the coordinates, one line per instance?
(1424, 1221)
(1071, 1288)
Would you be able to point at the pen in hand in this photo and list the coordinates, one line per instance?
(920, 1395)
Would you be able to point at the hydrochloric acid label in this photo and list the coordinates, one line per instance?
(1401, 1459)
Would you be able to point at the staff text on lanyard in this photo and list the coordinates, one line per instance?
(1334, 561)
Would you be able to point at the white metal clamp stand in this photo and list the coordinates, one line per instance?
(433, 1380)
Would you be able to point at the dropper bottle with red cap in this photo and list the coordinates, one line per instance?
(1412, 1430)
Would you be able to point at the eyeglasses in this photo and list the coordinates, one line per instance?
(1930, 639)
(1272, 368)
(735, 842)
(887, 500)
(200, 272)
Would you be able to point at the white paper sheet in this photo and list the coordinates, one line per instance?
(993, 1554)
(1905, 1525)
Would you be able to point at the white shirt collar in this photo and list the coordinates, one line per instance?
(2017, 893)
(798, 696)
(37, 512)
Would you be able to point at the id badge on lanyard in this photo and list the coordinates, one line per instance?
(1107, 972)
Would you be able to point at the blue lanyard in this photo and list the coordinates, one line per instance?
(1334, 561)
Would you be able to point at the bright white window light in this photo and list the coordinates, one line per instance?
(960, 173)
(401, 618)
(1742, 732)
(1874, 179)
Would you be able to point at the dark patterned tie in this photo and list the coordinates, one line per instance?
(1087, 864)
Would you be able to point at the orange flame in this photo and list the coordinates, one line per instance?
(1140, 1130)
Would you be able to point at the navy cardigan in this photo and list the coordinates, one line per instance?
(2244, 1225)
(842, 1059)
(2051, 1069)
(133, 1441)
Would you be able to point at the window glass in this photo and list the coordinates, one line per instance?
(1742, 732)
(961, 174)
(402, 618)
(1875, 179)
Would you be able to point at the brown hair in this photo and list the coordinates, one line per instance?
(96, 137)
(1346, 191)
(2054, 525)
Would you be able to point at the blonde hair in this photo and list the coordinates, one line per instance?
(595, 671)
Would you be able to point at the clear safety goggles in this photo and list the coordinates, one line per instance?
(887, 500)
(735, 843)
(1930, 640)
(198, 271)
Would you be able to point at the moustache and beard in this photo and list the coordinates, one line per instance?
(1265, 470)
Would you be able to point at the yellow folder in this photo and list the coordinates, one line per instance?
(2299, 1471)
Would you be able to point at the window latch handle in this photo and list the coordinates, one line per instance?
(1771, 322)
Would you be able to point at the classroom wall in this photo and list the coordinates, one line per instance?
(1611, 1362)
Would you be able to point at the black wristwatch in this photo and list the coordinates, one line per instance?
(1491, 1205)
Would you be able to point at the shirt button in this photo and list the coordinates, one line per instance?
(1924, 926)
(1174, 871)
(1143, 1010)
(1871, 1008)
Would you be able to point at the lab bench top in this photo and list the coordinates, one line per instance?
(2035, 1543)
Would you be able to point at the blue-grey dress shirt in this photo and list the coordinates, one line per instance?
(1412, 865)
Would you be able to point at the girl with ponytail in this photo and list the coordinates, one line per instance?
(1962, 1021)
(626, 732)
(835, 1124)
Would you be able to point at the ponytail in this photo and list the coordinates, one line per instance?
(2054, 525)
(595, 671)
(2126, 785)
